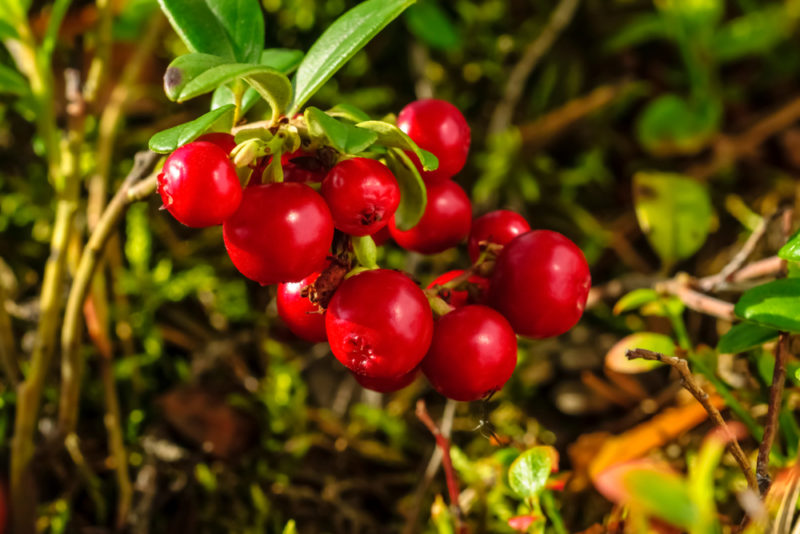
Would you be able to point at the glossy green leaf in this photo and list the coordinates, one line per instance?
(243, 22)
(791, 250)
(528, 474)
(616, 359)
(413, 195)
(12, 82)
(343, 136)
(166, 141)
(7, 30)
(635, 299)
(366, 251)
(184, 69)
(775, 304)
(348, 112)
(753, 33)
(432, 25)
(198, 27)
(670, 125)
(662, 495)
(674, 212)
(390, 135)
(745, 336)
(340, 42)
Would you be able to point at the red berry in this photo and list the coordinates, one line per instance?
(304, 318)
(381, 236)
(303, 167)
(198, 185)
(473, 353)
(362, 194)
(461, 297)
(281, 233)
(498, 227)
(387, 385)
(444, 224)
(438, 127)
(540, 284)
(379, 324)
(223, 140)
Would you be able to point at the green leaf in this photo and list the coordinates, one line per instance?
(745, 336)
(343, 136)
(528, 474)
(340, 42)
(635, 299)
(366, 251)
(348, 112)
(12, 82)
(184, 69)
(662, 495)
(641, 29)
(413, 195)
(617, 361)
(243, 23)
(198, 27)
(775, 304)
(670, 125)
(432, 25)
(674, 213)
(168, 140)
(791, 250)
(7, 30)
(390, 135)
(751, 34)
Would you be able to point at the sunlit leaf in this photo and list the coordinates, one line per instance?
(775, 304)
(168, 140)
(343, 136)
(413, 195)
(635, 299)
(528, 474)
(617, 361)
(391, 136)
(791, 250)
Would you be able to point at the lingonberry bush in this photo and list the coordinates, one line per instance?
(308, 254)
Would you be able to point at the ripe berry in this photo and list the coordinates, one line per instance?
(362, 194)
(387, 385)
(379, 324)
(440, 128)
(540, 284)
(223, 140)
(444, 224)
(381, 236)
(198, 185)
(461, 297)
(304, 318)
(281, 232)
(303, 167)
(473, 353)
(500, 227)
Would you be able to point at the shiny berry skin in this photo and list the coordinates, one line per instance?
(304, 318)
(473, 353)
(387, 385)
(223, 140)
(438, 127)
(362, 194)
(540, 284)
(379, 324)
(198, 185)
(461, 297)
(499, 227)
(444, 224)
(281, 233)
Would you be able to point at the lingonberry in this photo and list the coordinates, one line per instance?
(386, 385)
(457, 298)
(444, 224)
(379, 324)
(223, 140)
(198, 185)
(281, 232)
(499, 227)
(381, 236)
(362, 194)
(304, 318)
(303, 167)
(540, 284)
(438, 127)
(473, 353)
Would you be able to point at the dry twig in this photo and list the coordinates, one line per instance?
(774, 408)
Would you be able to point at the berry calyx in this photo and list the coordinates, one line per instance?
(387, 385)
(362, 195)
(379, 324)
(444, 224)
(499, 227)
(473, 353)
(540, 284)
(223, 140)
(475, 293)
(199, 186)
(306, 319)
(281, 233)
(438, 127)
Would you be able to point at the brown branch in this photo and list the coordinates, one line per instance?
(688, 382)
(773, 410)
(695, 300)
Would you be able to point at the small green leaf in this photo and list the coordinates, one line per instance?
(7, 30)
(674, 213)
(641, 29)
(745, 336)
(662, 495)
(528, 474)
(413, 195)
(243, 23)
(348, 112)
(432, 25)
(183, 69)
(751, 34)
(390, 135)
(791, 250)
(198, 27)
(168, 140)
(12, 82)
(343, 136)
(670, 125)
(635, 299)
(775, 304)
(616, 360)
(366, 251)
(340, 42)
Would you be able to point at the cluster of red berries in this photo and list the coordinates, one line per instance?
(380, 323)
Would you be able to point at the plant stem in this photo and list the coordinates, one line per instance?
(8, 347)
(773, 410)
(549, 504)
